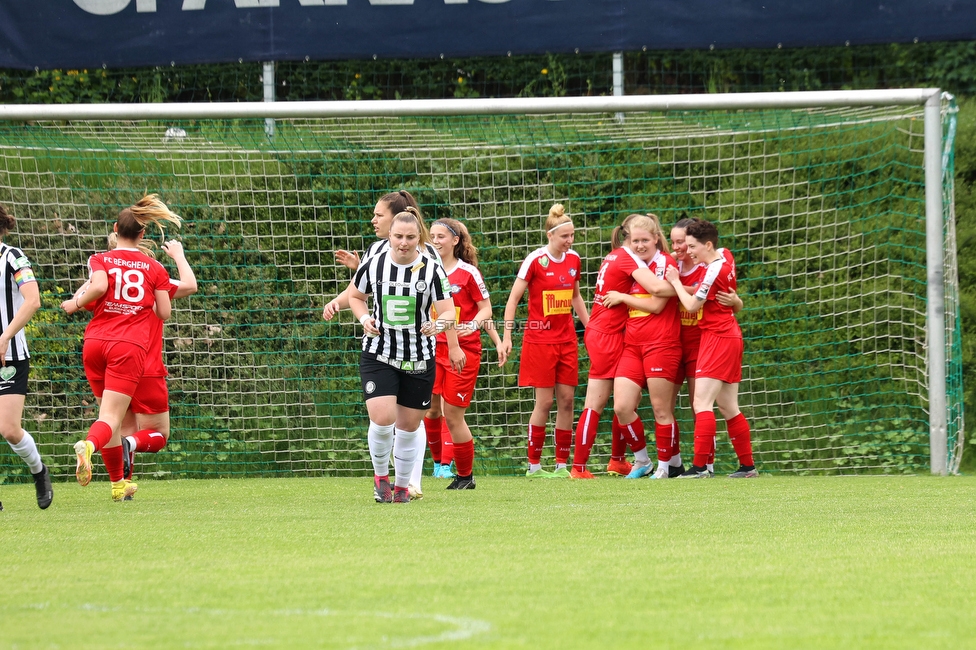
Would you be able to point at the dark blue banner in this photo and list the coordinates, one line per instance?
(90, 33)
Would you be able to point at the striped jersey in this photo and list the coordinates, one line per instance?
(403, 296)
(15, 271)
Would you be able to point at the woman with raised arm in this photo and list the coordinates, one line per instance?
(129, 290)
(20, 298)
(691, 274)
(719, 366)
(397, 363)
(549, 361)
(146, 426)
(453, 390)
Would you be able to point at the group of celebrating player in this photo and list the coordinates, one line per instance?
(129, 294)
(656, 321)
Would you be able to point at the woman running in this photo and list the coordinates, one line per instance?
(20, 298)
(397, 362)
(453, 391)
(129, 290)
(719, 366)
(549, 362)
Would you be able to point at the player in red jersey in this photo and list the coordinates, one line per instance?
(549, 361)
(604, 340)
(691, 275)
(453, 390)
(129, 290)
(652, 352)
(146, 425)
(719, 365)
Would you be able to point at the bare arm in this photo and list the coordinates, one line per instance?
(163, 306)
(32, 302)
(97, 285)
(579, 306)
(729, 299)
(514, 298)
(652, 305)
(688, 301)
(652, 284)
(184, 273)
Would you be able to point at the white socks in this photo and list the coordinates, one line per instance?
(27, 450)
(380, 439)
(404, 455)
(418, 465)
(675, 461)
(641, 457)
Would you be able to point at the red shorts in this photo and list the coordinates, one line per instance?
(690, 342)
(543, 365)
(604, 351)
(151, 396)
(456, 389)
(113, 365)
(720, 357)
(640, 363)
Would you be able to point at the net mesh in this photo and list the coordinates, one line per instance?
(823, 209)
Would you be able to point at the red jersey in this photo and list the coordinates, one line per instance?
(615, 275)
(716, 318)
(690, 334)
(125, 312)
(467, 289)
(647, 329)
(551, 286)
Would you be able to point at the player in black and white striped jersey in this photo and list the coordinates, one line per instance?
(19, 299)
(398, 358)
(388, 206)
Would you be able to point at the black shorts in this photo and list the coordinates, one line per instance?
(15, 382)
(412, 388)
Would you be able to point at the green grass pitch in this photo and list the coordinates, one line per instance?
(778, 562)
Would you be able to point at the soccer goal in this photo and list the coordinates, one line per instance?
(838, 207)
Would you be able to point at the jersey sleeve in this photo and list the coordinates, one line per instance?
(525, 271)
(20, 267)
(478, 288)
(712, 282)
(95, 263)
(440, 286)
(361, 279)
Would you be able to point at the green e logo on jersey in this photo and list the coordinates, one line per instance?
(399, 310)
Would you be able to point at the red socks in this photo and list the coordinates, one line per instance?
(664, 437)
(676, 442)
(564, 442)
(149, 441)
(112, 457)
(464, 458)
(537, 438)
(99, 434)
(618, 441)
(704, 437)
(447, 444)
(586, 430)
(739, 434)
(635, 436)
(433, 428)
